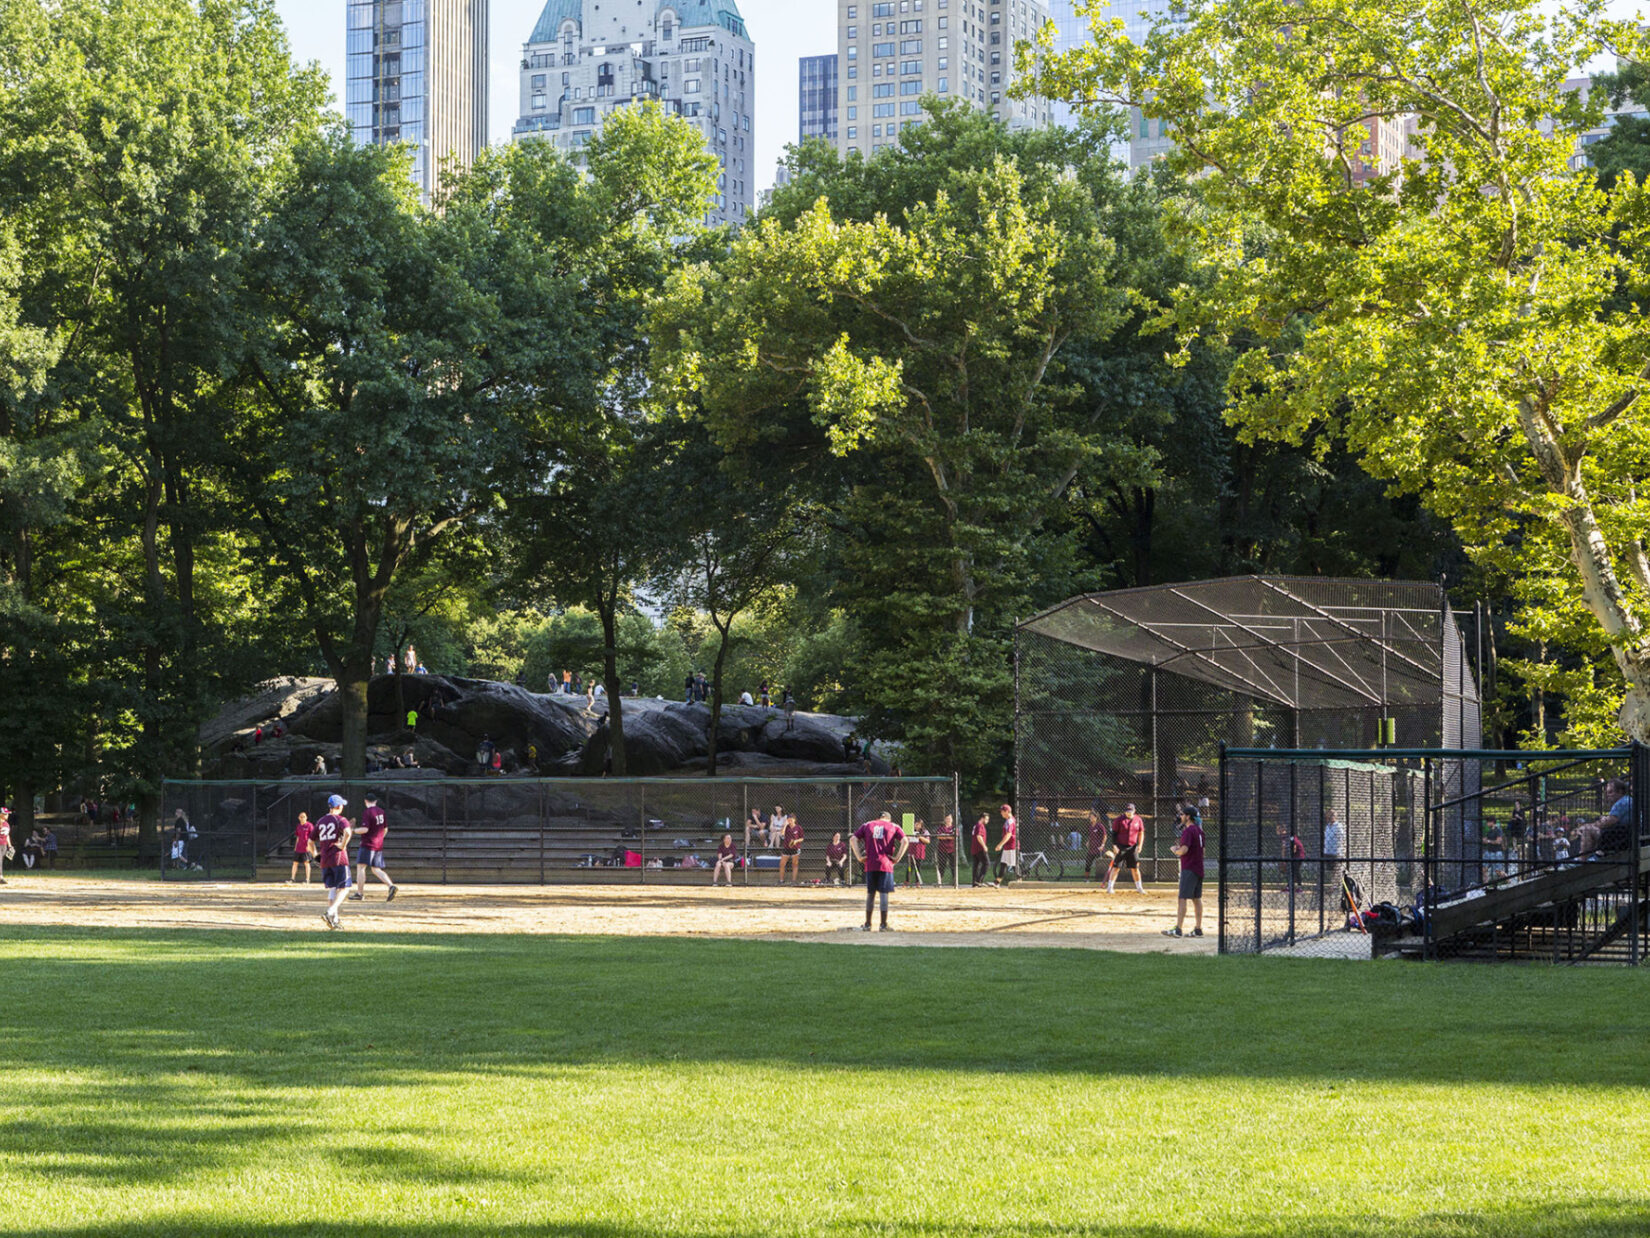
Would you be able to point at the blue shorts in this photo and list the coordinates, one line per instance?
(336, 878)
(372, 859)
(881, 883)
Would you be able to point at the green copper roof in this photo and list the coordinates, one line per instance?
(555, 12)
(724, 13)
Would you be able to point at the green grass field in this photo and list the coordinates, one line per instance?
(222, 1083)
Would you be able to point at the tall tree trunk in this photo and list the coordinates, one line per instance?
(609, 609)
(352, 695)
(154, 730)
(716, 692)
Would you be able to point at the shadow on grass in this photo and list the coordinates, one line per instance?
(1602, 1219)
(266, 1008)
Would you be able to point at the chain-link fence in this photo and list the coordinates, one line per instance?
(1366, 854)
(563, 830)
(1126, 697)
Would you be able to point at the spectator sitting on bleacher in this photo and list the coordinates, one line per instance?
(33, 853)
(1615, 826)
(725, 852)
(836, 861)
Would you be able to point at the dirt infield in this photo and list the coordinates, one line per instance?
(1024, 914)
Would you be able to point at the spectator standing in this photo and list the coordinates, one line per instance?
(979, 850)
(1495, 852)
(412, 720)
(370, 856)
(303, 847)
(48, 844)
(765, 694)
(567, 683)
(725, 853)
(879, 846)
(790, 850)
(917, 853)
(1190, 852)
(692, 686)
(1561, 846)
(498, 760)
(6, 851)
(945, 850)
(789, 705)
(1126, 833)
(332, 834)
(1334, 853)
(836, 861)
(1098, 840)
(1008, 847)
(1294, 850)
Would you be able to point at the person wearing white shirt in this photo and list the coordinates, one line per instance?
(1334, 855)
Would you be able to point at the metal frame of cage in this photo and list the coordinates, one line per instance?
(547, 831)
(1128, 695)
(1468, 873)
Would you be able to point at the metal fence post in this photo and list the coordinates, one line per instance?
(956, 829)
(544, 825)
(254, 831)
(1220, 860)
(848, 811)
(444, 792)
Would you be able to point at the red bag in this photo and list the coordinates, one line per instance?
(632, 859)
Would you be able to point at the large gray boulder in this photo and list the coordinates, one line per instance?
(550, 734)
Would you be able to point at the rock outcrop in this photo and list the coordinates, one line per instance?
(553, 735)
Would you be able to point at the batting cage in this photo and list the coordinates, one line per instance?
(509, 829)
(1126, 697)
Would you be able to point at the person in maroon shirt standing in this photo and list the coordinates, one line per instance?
(332, 832)
(1008, 847)
(920, 838)
(5, 841)
(836, 861)
(725, 852)
(1190, 851)
(945, 849)
(370, 855)
(790, 850)
(979, 849)
(879, 846)
(303, 846)
(1126, 833)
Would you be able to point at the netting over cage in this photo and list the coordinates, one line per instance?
(1127, 696)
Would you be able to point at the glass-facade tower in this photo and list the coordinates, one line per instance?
(816, 98)
(416, 72)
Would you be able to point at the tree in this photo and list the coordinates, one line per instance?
(374, 423)
(1467, 323)
(1626, 147)
(136, 142)
(589, 529)
(890, 334)
(729, 550)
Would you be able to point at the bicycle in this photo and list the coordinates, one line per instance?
(1037, 866)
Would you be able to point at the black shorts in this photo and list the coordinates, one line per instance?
(1128, 857)
(882, 883)
(1191, 885)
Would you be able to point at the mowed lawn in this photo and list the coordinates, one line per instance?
(221, 1083)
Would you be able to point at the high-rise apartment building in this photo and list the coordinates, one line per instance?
(693, 57)
(890, 53)
(416, 72)
(817, 98)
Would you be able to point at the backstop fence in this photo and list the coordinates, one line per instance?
(1127, 697)
(1435, 854)
(557, 830)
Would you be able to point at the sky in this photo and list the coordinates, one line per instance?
(783, 31)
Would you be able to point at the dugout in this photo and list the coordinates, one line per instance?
(1128, 695)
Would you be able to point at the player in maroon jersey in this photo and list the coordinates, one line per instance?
(369, 857)
(332, 833)
(303, 847)
(879, 846)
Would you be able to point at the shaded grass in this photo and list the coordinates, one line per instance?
(248, 1083)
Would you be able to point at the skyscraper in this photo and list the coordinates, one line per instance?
(416, 71)
(694, 57)
(817, 98)
(893, 52)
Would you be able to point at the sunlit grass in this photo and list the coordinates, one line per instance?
(218, 1083)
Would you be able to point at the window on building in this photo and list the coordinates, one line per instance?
(911, 88)
(882, 109)
(882, 90)
(853, 32)
(907, 67)
(882, 49)
(691, 86)
(853, 131)
(584, 116)
(911, 47)
(944, 86)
